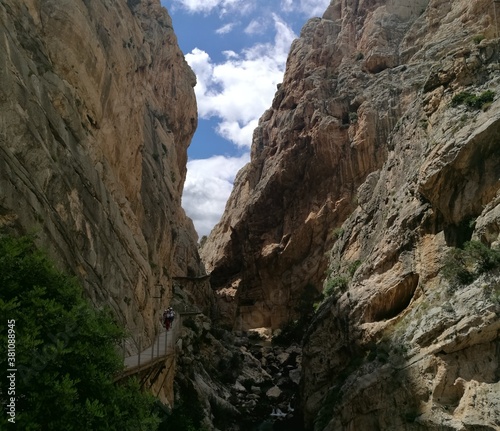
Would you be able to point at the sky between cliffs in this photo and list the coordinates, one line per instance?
(238, 50)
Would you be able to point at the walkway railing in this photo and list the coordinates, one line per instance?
(163, 347)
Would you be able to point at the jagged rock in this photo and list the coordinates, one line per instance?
(283, 357)
(239, 387)
(326, 131)
(256, 389)
(98, 108)
(366, 166)
(424, 345)
(294, 375)
(274, 393)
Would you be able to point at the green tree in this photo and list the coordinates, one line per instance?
(65, 353)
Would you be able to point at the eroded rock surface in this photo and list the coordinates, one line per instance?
(344, 90)
(97, 110)
(241, 379)
(368, 155)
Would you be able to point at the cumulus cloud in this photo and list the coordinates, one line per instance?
(307, 8)
(236, 91)
(239, 90)
(208, 185)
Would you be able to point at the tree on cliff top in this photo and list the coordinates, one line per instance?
(65, 352)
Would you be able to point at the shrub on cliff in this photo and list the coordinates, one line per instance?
(335, 283)
(464, 265)
(473, 101)
(65, 355)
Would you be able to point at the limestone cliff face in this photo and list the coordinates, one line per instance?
(328, 128)
(397, 346)
(368, 154)
(97, 109)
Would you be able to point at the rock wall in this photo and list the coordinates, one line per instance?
(97, 110)
(327, 129)
(368, 169)
(397, 346)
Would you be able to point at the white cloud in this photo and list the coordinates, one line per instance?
(223, 6)
(225, 28)
(240, 135)
(208, 185)
(309, 8)
(241, 88)
(230, 54)
(287, 5)
(236, 90)
(255, 27)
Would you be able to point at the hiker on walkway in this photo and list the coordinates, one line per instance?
(170, 317)
(167, 318)
(164, 319)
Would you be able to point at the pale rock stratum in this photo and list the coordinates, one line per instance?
(97, 109)
(365, 172)
(379, 155)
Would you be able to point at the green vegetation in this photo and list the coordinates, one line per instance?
(478, 38)
(335, 283)
(65, 351)
(464, 265)
(473, 101)
(340, 281)
(353, 267)
(187, 414)
(337, 232)
(494, 291)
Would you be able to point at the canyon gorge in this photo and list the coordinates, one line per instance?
(353, 280)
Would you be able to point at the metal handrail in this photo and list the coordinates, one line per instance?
(164, 344)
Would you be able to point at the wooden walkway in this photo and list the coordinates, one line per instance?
(163, 347)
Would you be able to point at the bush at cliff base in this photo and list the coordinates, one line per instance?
(65, 352)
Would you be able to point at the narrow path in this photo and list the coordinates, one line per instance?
(163, 347)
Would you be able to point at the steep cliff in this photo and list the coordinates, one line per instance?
(379, 158)
(328, 128)
(97, 109)
(401, 343)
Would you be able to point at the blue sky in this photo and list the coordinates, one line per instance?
(238, 50)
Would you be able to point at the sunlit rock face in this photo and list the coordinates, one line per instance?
(365, 172)
(97, 110)
(344, 90)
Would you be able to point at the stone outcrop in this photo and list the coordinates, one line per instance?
(326, 131)
(97, 109)
(396, 345)
(241, 379)
(374, 153)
